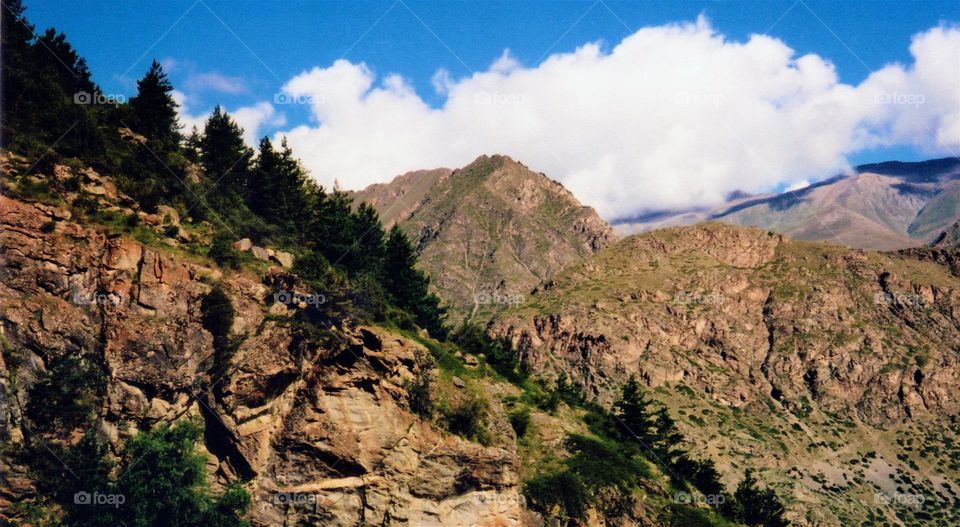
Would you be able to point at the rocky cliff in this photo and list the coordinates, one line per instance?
(489, 232)
(319, 430)
(789, 356)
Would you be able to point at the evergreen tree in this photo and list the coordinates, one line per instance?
(408, 286)
(635, 420)
(225, 158)
(43, 81)
(332, 227)
(367, 251)
(759, 507)
(154, 110)
(264, 182)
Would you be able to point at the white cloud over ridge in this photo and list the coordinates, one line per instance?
(673, 116)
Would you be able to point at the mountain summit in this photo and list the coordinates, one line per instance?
(489, 232)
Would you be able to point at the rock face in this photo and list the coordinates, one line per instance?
(781, 340)
(774, 316)
(489, 232)
(319, 432)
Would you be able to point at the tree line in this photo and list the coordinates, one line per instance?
(53, 111)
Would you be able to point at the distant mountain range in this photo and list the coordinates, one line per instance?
(883, 206)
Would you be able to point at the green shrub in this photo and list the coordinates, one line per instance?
(520, 421)
(468, 419)
(64, 396)
(558, 495)
(419, 389)
(222, 251)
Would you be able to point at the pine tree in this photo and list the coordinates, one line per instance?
(759, 507)
(224, 157)
(332, 228)
(408, 286)
(367, 252)
(635, 421)
(265, 194)
(154, 110)
(279, 191)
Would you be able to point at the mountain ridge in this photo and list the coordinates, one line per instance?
(852, 209)
(489, 232)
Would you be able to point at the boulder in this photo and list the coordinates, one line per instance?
(243, 245)
(260, 253)
(169, 214)
(283, 258)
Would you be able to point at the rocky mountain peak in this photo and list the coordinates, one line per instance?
(489, 232)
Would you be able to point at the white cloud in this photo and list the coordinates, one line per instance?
(213, 81)
(256, 120)
(673, 116)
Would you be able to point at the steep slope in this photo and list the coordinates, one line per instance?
(489, 232)
(830, 369)
(882, 206)
(320, 430)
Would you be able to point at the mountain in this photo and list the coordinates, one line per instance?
(114, 333)
(883, 206)
(830, 370)
(489, 232)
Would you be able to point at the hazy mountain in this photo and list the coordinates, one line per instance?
(829, 369)
(883, 206)
(489, 232)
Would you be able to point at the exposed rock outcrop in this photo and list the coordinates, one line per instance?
(320, 432)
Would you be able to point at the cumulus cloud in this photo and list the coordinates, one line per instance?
(673, 116)
(256, 120)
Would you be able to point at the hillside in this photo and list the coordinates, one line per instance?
(489, 232)
(883, 206)
(306, 412)
(829, 369)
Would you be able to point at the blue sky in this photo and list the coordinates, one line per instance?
(237, 53)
